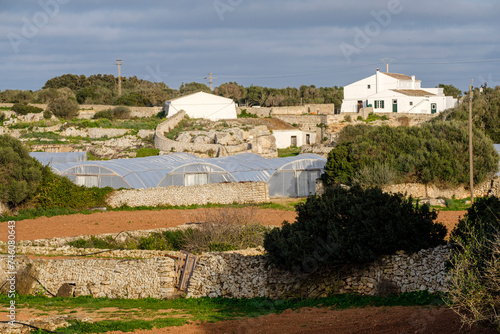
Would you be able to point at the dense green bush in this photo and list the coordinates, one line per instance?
(352, 226)
(475, 264)
(486, 112)
(58, 191)
(20, 174)
(25, 109)
(107, 114)
(63, 107)
(47, 114)
(121, 112)
(434, 153)
(133, 99)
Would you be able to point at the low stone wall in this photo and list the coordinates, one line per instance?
(240, 276)
(325, 109)
(87, 111)
(112, 278)
(306, 122)
(417, 190)
(220, 193)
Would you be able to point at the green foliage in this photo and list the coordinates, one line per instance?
(475, 264)
(434, 153)
(20, 174)
(167, 240)
(59, 191)
(147, 152)
(245, 114)
(485, 112)
(47, 114)
(450, 90)
(25, 109)
(62, 107)
(352, 226)
(193, 87)
(339, 165)
(121, 112)
(107, 114)
(482, 221)
(133, 99)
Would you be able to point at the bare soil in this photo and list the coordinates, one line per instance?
(117, 221)
(371, 320)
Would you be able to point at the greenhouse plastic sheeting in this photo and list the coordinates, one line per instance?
(47, 158)
(291, 176)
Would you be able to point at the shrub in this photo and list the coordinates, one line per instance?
(25, 109)
(121, 112)
(64, 107)
(475, 264)
(434, 153)
(225, 229)
(20, 174)
(107, 114)
(58, 191)
(352, 226)
(47, 114)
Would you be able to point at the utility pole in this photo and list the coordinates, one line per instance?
(210, 79)
(471, 163)
(387, 62)
(119, 63)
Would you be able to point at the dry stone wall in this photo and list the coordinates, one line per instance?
(325, 109)
(112, 278)
(240, 276)
(220, 193)
(417, 190)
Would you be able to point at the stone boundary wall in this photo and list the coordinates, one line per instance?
(239, 276)
(215, 193)
(490, 187)
(59, 244)
(417, 190)
(326, 109)
(88, 111)
(305, 122)
(112, 278)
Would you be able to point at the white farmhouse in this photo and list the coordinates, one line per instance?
(393, 92)
(202, 105)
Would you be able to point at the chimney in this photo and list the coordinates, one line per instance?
(376, 80)
(412, 82)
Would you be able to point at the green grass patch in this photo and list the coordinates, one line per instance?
(5, 108)
(147, 152)
(205, 309)
(291, 151)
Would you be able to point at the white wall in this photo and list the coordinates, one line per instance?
(284, 137)
(203, 105)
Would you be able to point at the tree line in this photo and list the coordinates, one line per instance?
(103, 89)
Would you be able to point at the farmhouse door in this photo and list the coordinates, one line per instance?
(394, 105)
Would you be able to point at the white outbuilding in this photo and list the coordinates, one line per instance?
(202, 105)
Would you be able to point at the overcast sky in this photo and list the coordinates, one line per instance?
(261, 42)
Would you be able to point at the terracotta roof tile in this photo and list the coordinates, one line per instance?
(399, 76)
(413, 92)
